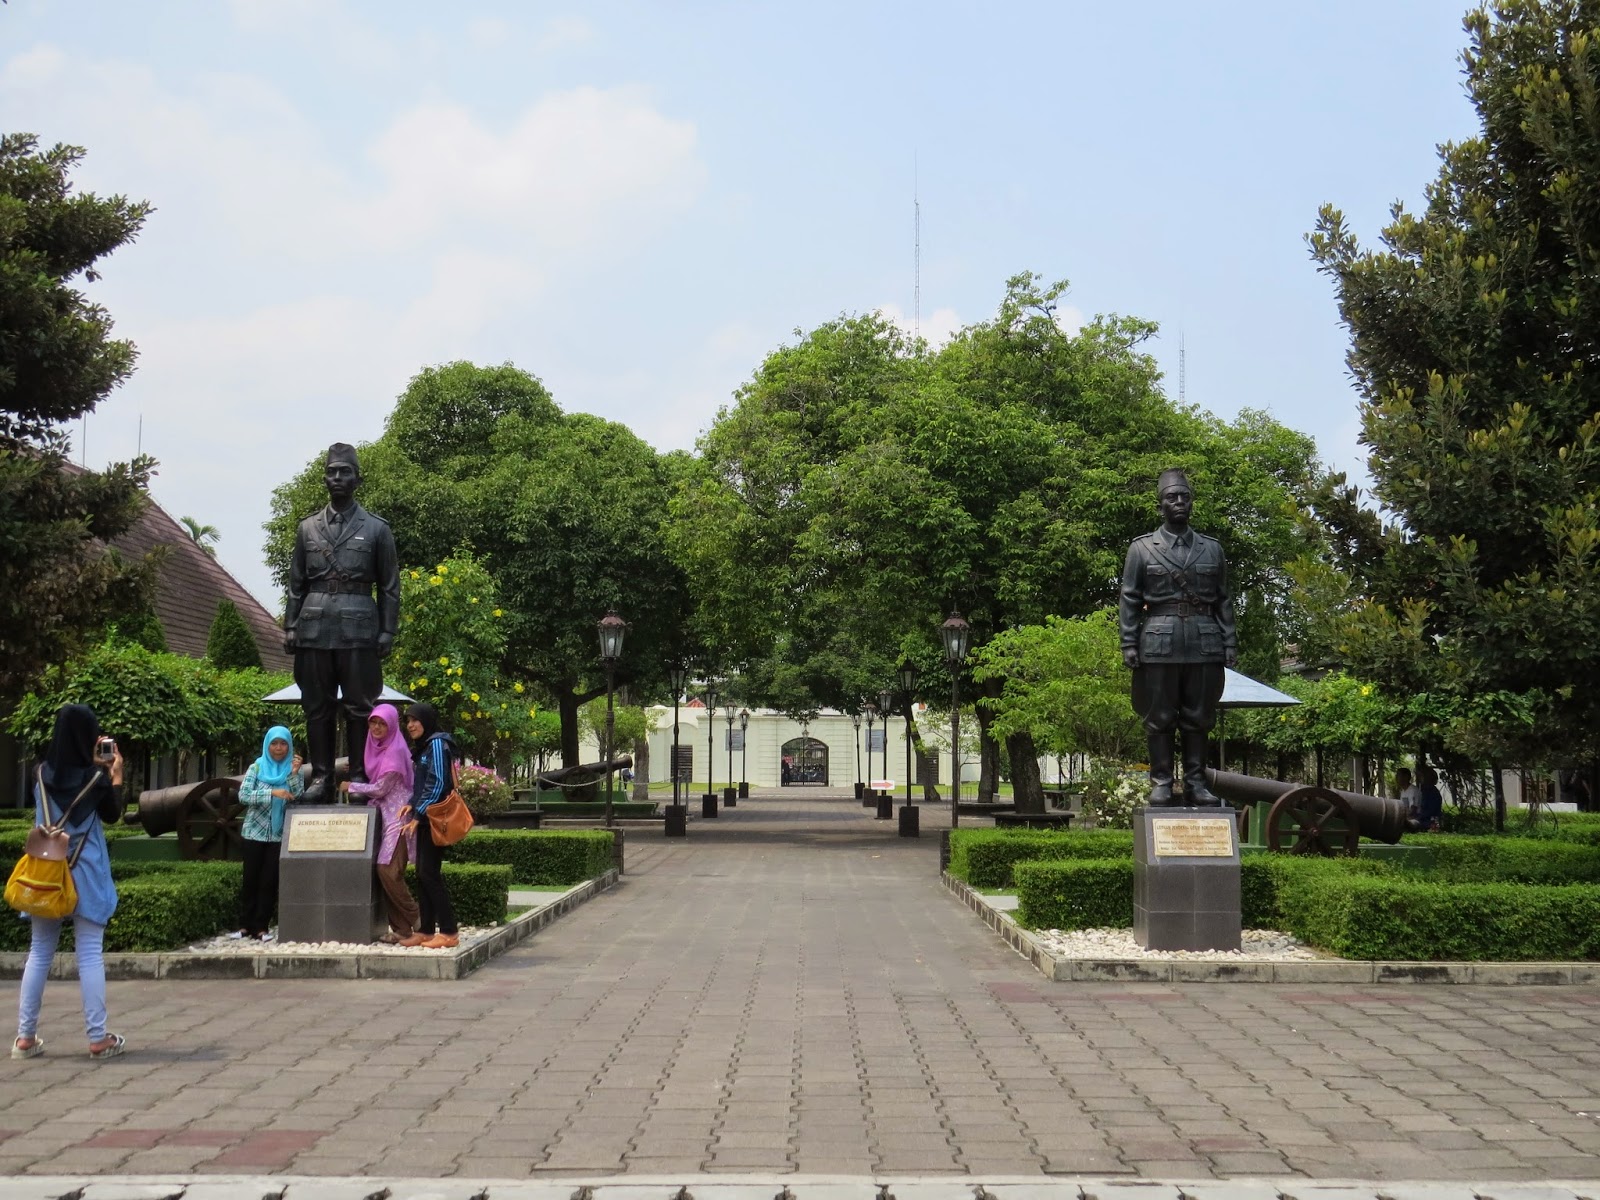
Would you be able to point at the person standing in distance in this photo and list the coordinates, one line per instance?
(1178, 634)
(337, 631)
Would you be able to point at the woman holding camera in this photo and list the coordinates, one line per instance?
(79, 784)
(271, 783)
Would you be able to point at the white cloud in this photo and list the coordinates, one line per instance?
(938, 327)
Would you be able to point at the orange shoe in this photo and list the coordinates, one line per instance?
(442, 941)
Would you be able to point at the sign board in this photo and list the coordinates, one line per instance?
(735, 739)
(874, 741)
(327, 831)
(1193, 837)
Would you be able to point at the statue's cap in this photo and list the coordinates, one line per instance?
(1171, 477)
(343, 452)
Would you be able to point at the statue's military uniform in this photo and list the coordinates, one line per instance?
(339, 559)
(1176, 611)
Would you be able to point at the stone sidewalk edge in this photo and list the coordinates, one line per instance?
(460, 964)
(1095, 970)
(755, 1187)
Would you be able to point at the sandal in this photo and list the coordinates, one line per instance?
(18, 1050)
(416, 939)
(389, 939)
(115, 1047)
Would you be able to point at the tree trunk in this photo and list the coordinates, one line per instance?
(930, 790)
(503, 765)
(1499, 797)
(567, 704)
(641, 769)
(1027, 790)
(988, 749)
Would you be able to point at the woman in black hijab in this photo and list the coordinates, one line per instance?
(435, 753)
(81, 791)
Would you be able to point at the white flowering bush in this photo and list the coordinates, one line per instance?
(1111, 796)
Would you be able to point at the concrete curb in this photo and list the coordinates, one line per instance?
(766, 1186)
(1336, 970)
(180, 964)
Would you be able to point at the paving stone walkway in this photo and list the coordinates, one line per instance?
(790, 991)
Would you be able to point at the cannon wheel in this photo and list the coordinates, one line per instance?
(1306, 814)
(210, 820)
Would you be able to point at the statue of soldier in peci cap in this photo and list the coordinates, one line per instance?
(1177, 634)
(337, 629)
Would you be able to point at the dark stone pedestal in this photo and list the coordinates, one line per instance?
(730, 797)
(885, 807)
(327, 890)
(869, 798)
(860, 787)
(910, 821)
(708, 804)
(677, 824)
(744, 790)
(1186, 879)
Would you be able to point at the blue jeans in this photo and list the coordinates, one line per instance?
(90, 938)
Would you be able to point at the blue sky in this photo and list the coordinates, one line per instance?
(638, 202)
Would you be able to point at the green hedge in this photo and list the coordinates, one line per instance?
(1552, 826)
(985, 857)
(1098, 893)
(1411, 919)
(539, 857)
(1499, 859)
(477, 892)
(165, 905)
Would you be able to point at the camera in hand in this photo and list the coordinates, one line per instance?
(105, 750)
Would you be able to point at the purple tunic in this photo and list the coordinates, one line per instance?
(389, 795)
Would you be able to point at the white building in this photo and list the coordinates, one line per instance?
(777, 751)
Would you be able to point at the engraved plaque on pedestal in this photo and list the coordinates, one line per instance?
(1186, 879)
(327, 888)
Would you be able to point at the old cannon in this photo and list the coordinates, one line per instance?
(207, 816)
(1300, 818)
(584, 775)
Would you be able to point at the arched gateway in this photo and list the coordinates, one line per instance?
(805, 763)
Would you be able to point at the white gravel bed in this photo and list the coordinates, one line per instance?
(225, 945)
(1258, 945)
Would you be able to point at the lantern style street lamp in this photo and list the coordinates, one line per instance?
(611, 628)
(957, 635)
(872, 714)
(677, 676)
(885, 707)
(708, 802)
(855, 720)
(730, 793)
(908, 685)
(744, 752)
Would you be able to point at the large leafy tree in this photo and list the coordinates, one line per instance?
(563, 510)
(1475, 344)
(860, 487)
(58, 360)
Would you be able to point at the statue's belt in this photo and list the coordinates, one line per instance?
(346, 587)
(1180, 608)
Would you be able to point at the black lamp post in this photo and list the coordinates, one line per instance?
(908, 685)
(744, 753)
(611, 628)
(872, 715)
(957, 634)
(855, 721)
(678, 825)
(730, 794)
(708, 802)
(885, 707)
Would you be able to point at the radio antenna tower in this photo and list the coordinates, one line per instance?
(916, 254)
(1182, 367)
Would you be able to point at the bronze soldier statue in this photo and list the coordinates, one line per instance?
(338, 633)
(1177, 635)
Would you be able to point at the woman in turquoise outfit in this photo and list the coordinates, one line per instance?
(271, 783)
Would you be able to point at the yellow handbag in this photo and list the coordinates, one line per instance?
(41, 882)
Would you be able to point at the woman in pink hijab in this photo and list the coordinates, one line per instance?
(390, 769)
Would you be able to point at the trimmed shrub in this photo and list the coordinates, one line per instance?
(477, 892)
(1399, 918)
(1077, 893)
(1500, 859)
(1263, 878)
(985, 857)
(230, 645)
(538, 856)
(160, 906)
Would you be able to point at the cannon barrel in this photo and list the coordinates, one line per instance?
(587, 772)
(159, 808)
(1380, 817)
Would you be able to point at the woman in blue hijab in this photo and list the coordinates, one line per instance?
(271, 783)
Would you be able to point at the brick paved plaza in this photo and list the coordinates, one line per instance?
(791, 991)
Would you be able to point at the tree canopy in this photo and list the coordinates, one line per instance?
(1474, 344)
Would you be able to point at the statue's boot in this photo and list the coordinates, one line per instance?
(1196, 791)
(355, 740)
(319, 751)
(1160, 771)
